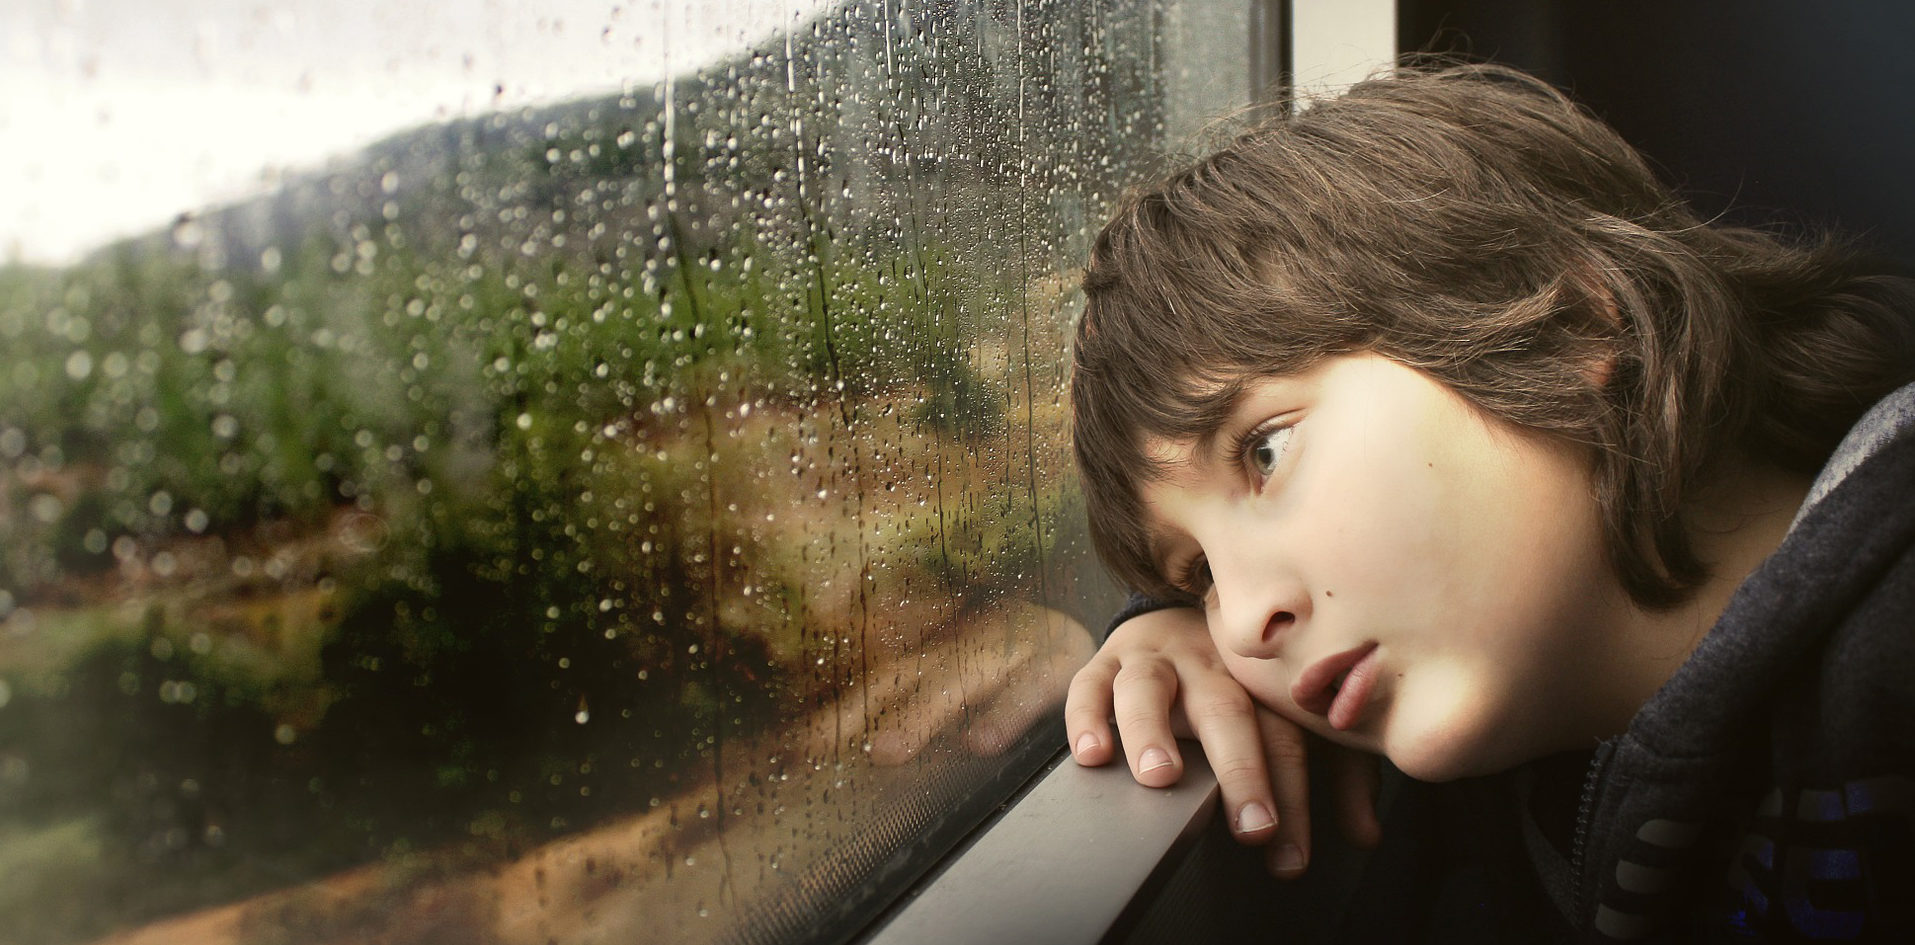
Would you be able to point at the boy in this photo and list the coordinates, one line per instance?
(1428, 422)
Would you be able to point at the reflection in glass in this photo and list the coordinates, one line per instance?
(636, 516)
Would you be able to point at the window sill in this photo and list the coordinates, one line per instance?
(1078, 859)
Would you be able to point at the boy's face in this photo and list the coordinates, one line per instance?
(1393, 569)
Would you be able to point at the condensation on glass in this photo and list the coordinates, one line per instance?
(636, 513)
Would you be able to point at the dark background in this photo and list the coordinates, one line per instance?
(1774, 110)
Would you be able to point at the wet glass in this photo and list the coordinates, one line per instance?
(543, 472)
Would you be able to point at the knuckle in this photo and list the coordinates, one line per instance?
(1276, 729)
(1082, 689)
(1227, 706)
(1143, 673)
(1133, 633)
(1195, 647)
(1237, 770)
(1086, 680)
(1102, 661)
(1142, 715)
(1286, 753)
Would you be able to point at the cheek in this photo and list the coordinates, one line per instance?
(1470, 725)
(1452, 533)
(1381, 532)
(1446, 723)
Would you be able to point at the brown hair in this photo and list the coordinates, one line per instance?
(1475, 224)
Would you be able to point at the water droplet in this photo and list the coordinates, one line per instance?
(46, 508)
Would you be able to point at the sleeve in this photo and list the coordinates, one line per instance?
(1136, 606)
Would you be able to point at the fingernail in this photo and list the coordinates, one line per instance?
(1254, 817)
(1289, 858)
(1153, 759)
(1086, 743)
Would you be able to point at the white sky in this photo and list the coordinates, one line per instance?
(116, 115)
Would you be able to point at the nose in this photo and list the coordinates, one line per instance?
(1255, 605)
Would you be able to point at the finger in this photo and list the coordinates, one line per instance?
(1355, 779)
(1087, 708)
(1225, 720)
(1141, 695)
(1286, 754)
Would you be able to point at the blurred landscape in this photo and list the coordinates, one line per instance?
(566, 479)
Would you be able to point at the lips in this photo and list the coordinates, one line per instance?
(1338, 686)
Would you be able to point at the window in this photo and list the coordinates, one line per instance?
(543, 471)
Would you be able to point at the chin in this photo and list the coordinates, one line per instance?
(1447, 749)
(1424, 766)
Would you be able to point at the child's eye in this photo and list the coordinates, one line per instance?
(1265, 448)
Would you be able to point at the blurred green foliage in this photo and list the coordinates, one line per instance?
(478, 677)
(493, 351)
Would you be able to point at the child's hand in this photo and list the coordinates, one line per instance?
(1160, 675)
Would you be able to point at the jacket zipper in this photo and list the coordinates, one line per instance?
(1585, 812)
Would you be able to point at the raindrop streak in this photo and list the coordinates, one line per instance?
(675, 469)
